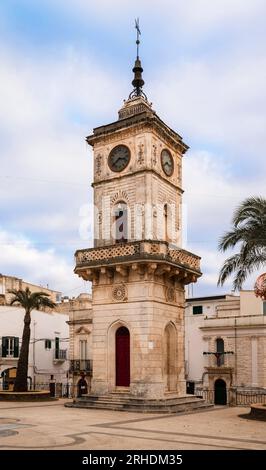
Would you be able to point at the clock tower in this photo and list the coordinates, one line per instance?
(137, 267)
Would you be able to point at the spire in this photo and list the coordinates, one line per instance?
(138, 81)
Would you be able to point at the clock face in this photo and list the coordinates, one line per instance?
(167, 162)
(119, 158)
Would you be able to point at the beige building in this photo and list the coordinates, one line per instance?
(80, 333)
(137, 268)
(226, 344)
(10, 282)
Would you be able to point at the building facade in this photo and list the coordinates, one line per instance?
(226, 343)
(137, 268)
(79, 311)
(48, 355)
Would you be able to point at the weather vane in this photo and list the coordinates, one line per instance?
(138, 35)
(138, 81)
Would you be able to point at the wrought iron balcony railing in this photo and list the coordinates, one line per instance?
(81, 365)
(60, 354)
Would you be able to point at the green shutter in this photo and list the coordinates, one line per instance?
(4, 346)
(16, 347)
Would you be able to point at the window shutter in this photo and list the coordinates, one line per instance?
(56, 348)
(4, 346)
(16, 347)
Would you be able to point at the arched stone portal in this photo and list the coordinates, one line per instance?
(170, 357)
(122, 357)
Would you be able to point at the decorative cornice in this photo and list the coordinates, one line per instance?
(85, 321)
(145, 120)
(137, 172)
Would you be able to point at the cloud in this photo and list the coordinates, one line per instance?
(205, 73)
(18, 257)
(47, 109)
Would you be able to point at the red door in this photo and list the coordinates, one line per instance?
(122, 340)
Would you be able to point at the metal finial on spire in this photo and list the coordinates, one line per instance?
(138, 35)
(138, 81)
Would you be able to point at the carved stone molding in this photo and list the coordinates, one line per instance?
(170, 294)
(141, 158)
(119, 293)
(98, 164)
(120, 195)
(154, 155)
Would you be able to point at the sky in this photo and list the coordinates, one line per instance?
(66, 67)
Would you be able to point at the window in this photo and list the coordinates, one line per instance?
(264, 308)
(10, 346)
(220, 351)
(47, 344)
(83, 349)
(197, 310)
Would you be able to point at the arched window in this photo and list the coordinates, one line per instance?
(121, 223)
(220, 351)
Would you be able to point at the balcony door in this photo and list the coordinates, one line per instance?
(83, 353)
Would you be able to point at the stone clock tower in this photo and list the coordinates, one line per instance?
(137, 268)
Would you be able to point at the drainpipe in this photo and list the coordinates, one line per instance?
(33, 355)
(235, 352)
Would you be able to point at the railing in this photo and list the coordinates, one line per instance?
(58, 389)
(235, 397)
(81, 365)
(248, 398)
(60, 354)
(226, 360)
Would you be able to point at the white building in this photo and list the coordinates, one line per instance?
(49, 342)
(225, 345)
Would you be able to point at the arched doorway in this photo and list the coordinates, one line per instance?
(122, 357)
(220, 395)
(170, 343)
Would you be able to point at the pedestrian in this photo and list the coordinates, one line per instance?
(82, 385)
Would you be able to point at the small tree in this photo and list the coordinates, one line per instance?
(29, 301)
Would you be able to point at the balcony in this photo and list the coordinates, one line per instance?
(60, 355)
(129, 254)
(81, 365)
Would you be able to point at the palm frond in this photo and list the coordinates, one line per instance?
(229, 266)
(30, 301)
(251, 208)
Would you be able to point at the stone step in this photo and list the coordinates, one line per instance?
(111, 402)
(134, 404)
(138, 401)
(142, 409)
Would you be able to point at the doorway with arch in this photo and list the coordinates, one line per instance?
(220, 392)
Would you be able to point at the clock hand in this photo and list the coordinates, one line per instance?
(118, 158)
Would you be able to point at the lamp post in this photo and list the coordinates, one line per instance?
(218, 355)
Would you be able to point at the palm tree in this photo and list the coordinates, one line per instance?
(249, 230)
(29, 301)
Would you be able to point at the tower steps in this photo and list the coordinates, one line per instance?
(126, 402)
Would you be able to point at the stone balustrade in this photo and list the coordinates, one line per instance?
(139, 250)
